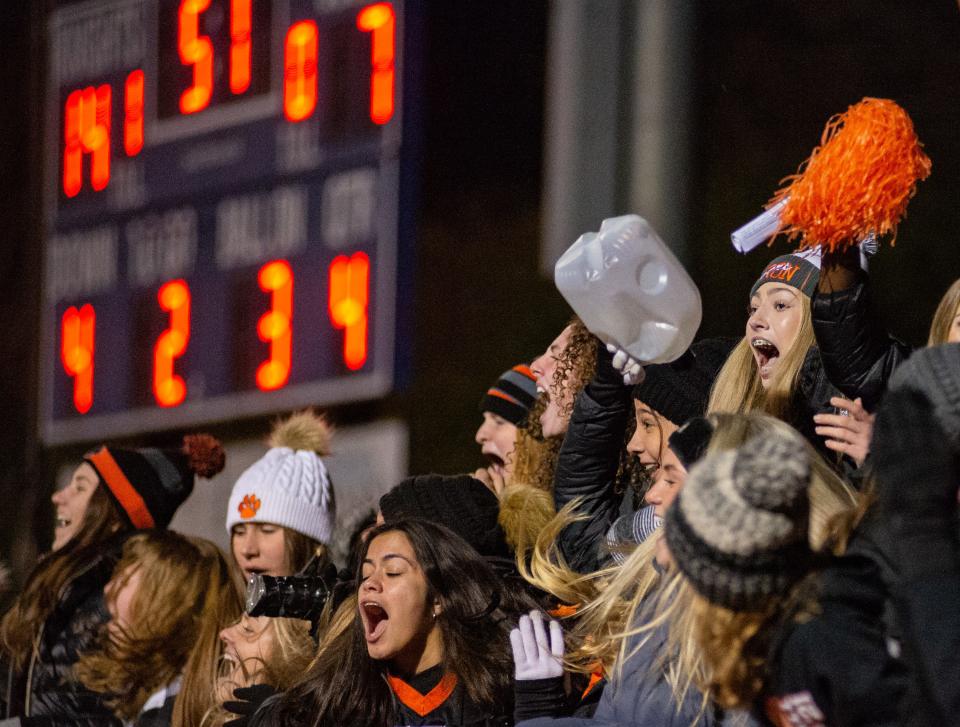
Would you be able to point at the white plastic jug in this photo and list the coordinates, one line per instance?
(630, 290)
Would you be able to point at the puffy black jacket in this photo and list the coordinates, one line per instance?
(854, 357)
(588, 463)
(47, 693)
(857, 354)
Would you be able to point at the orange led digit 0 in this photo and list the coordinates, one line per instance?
(349, 286)
(380, 20)
(300, 70)
(195, 50)
(86, 130)
(76, 351)
(168, 388)
(239, 45)
(275, 326)
(133, 113)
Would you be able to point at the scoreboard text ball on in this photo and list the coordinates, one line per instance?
(221, 207)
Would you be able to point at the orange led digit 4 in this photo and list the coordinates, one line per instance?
(76, 352)
(86, 130)
(349, 292)
(195, 50)
(275, 326)
(169, 389)
(239, 45)
(300, 70)
(380, 20)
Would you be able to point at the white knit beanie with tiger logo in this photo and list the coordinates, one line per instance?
(289, 485)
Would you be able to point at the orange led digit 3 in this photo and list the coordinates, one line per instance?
(224, 184)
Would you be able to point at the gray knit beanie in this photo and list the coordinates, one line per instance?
(738, 529)
(935, 372)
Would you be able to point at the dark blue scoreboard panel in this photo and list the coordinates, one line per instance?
(222, 192)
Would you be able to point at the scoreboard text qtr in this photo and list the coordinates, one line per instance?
(222, 193)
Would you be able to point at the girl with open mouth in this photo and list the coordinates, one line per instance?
(504, 408)
(112, 493)
(812, 348)
(428, 641)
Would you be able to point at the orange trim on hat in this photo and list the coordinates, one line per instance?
(501, 395)
(525, 370)
(423, 704)
(120, 486)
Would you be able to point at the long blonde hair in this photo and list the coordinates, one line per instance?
(947, 310)
(185, 597)
(730, 648)
(611, 599)
(738, 389)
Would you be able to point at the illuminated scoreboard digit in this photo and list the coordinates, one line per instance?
(222, 205)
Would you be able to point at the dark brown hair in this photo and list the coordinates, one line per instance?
(344, 686)
(44, 588)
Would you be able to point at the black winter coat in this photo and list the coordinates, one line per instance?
(46, 695)
(854, 357)
(587, 465)
(835, 668)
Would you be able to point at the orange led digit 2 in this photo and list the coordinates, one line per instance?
(224, 184)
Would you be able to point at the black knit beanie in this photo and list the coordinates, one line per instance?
(148, 485)
(511, 395)
(460, 502)
(690, 441)
(738, 528)
(680, 390)
(800, 270)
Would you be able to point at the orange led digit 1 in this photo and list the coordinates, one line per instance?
(300, 70)
(239, 45)
(349, 286)
(168, 388)
(275, 326)
(133, 113)
(76, 351)
(197, 51)
(86, 130)
(380, 20)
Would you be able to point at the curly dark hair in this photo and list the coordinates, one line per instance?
(576, 364)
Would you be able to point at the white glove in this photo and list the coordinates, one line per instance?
(533, 658)
(623, 362)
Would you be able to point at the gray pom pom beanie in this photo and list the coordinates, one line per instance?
(738, 529)
(935, 372)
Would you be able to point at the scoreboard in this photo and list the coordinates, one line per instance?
(222, 191)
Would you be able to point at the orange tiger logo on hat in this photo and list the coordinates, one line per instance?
(248, 506)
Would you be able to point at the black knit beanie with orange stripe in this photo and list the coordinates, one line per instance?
(511, 395)
(148, 485)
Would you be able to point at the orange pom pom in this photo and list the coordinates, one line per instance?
(858, 181)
